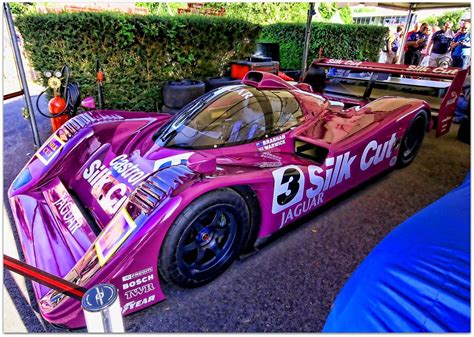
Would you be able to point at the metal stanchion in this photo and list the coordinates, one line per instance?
(21, 72)
(307, 37)
(102, 309)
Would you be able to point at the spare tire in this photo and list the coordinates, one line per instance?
(176, 94)
(294, 74)
(167, 110)
(217, 82)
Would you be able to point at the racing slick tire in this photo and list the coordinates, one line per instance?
(168, 110)
(294, 74)
(176, 94)
(412, 139)
(205, 239)
(217, 82)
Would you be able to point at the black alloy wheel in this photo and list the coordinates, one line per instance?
(208, 242)
(205, 239)
(412, 140)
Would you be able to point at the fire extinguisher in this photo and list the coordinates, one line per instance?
(100, 81)
(65, 99)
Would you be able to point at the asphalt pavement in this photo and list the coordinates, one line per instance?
(291, 283)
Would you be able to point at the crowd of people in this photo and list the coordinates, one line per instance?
(433, 46)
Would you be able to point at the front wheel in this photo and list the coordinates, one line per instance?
(205, 239)
(411, 141)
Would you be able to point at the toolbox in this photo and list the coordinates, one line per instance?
(238, 69)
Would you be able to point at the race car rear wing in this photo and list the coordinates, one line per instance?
(451, 78)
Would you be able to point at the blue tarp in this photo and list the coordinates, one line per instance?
(417, 279)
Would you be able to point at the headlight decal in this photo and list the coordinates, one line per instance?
(22, 179)
(116, 232)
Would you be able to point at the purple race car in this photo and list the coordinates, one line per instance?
(128, 198)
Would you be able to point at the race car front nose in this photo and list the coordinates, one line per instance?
(52, 230)
(22, 179)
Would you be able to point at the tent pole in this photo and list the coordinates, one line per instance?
(307, 36)
(407, 26)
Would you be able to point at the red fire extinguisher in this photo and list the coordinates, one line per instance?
(57, 105)
(64, 103)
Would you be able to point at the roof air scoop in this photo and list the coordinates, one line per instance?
(263, 80)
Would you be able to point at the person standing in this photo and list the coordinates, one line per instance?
(424, 53)
(416, 42)
(461, 47)
(440, 43)
(415, 30)
(393, 45)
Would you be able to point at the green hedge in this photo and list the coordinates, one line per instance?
(352, 42)
(138, 53)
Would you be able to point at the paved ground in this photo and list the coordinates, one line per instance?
(290, 285)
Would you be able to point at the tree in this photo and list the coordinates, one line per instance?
(162, 8)
(259, 12)
(263, 12)
(346, 14)
(22, 7)
(327, 10)
(439, 20)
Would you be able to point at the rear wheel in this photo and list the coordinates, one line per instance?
(205, 239)
(217, 82)
(176, 94)
(411, 141)
(168, 110)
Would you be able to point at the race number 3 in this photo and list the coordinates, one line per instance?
(288, 187)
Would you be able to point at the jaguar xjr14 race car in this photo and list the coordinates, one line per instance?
(129, 198)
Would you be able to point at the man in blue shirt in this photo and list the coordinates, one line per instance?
(461, 47)
(416, 43)
(438, 48)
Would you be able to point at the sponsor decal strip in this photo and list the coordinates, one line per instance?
(290, 198)
(136, 304)
(65, 209)
(414, 68)
(267, 144)
(139, 291)
(137, 274)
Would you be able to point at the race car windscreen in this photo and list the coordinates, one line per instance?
(239, 115)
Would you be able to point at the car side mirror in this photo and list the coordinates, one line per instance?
(202, 163)
(88, 102)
